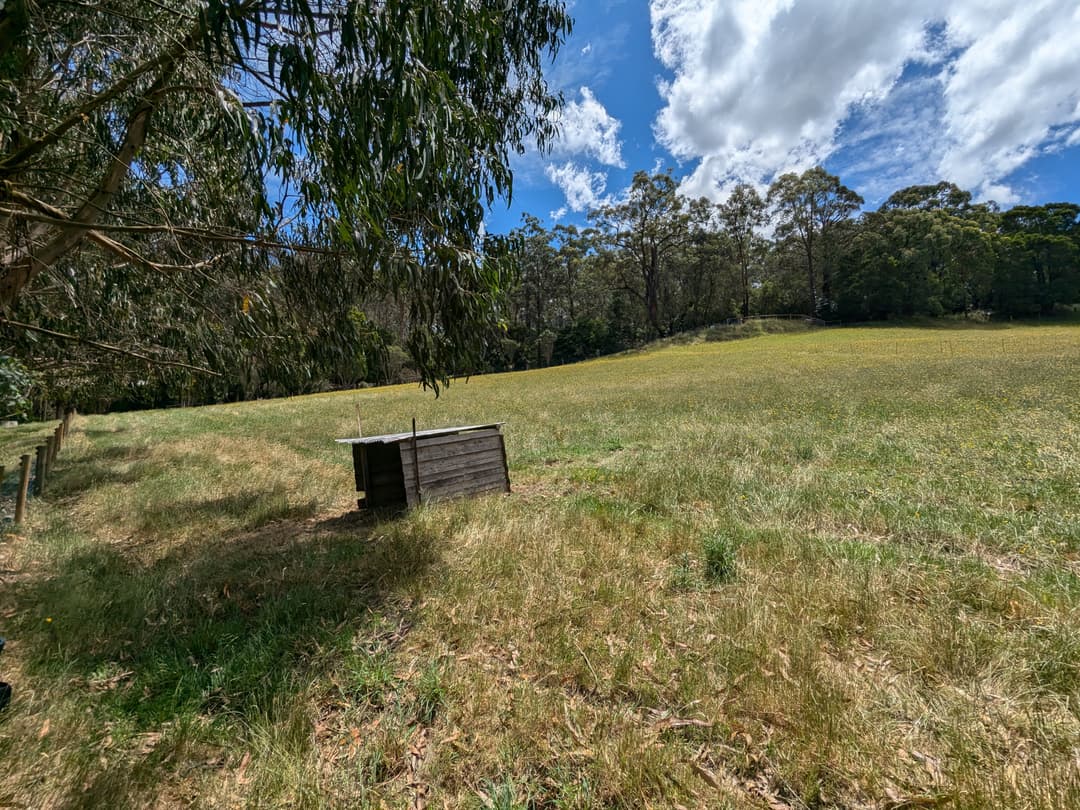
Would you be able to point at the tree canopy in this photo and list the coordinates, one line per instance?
(656, 262)
(154, 145)
(810, 207)
(652, 222)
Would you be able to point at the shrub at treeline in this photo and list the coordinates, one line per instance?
(655, 263)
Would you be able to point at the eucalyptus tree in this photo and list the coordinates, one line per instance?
(915, 261)
(575, 246)
(648, 227)
(170, 136)
(1038, 258)
(942, 196)
(1051, 219)
(741, 215)
(811, 208)
(537, 289)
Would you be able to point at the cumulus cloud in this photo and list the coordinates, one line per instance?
(583, 188)
(764, 86)
(1015, 82)
(588, 143)
(586, 128)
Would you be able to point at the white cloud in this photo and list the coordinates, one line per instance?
(558, 213)
(765, 86)
(583, 188)
(999, 193)
(1015, 81)
(586, 128)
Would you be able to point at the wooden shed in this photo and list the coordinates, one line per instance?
(406, 469)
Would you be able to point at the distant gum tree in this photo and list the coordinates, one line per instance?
(648, 226)
(810, 208)
(942, 196)
(741, 214)
(170, 136)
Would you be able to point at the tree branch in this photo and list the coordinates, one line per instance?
(106, 242)
(106, 347)
(11, 161)
(195, 233)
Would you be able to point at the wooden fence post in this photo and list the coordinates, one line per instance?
(50, 454)
(39, 470)
(24, 482)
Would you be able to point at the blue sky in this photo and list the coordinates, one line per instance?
(885, 93)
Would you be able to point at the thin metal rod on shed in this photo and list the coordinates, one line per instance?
(416, 463)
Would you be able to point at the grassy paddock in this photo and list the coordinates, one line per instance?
(832, 568)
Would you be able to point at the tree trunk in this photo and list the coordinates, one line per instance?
(744, 265)
(652, 290)
(19, 266)
(826, 284)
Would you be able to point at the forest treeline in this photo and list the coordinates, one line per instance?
(224, 201)
(649, 265)
(655, 263)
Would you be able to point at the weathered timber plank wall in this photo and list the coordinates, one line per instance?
(459, 464)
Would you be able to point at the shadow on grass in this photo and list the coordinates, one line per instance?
(225, 634)
(73, 477)
(249, 508)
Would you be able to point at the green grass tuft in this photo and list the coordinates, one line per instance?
(718, 557)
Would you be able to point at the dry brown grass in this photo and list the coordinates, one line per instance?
(900, 629)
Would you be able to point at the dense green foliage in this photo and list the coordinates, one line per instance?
(223, 184)
(15, 385)
(655, 263)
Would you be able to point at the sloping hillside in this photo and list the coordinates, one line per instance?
(832, 568)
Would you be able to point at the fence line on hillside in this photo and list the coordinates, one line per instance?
(738, 319)
(43, 459)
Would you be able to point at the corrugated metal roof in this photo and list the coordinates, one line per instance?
(391, 438)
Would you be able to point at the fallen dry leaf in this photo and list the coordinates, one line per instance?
(706, 774)
(668, 723)
(148, 742)
(414, 761)
(241, 778)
